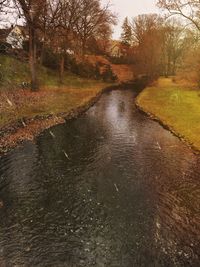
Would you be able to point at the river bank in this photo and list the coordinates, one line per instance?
(174, 106)
(25, 114)
(58, 106)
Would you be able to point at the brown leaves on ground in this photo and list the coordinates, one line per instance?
(25, 114)
(11, 100)
(28, 132)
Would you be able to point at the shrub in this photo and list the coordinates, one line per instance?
(50, 59)
(108, 75)
(86, 69)
(4, 47)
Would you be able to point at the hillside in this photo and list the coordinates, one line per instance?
(13, 73)
(17, 102)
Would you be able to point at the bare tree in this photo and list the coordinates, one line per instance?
(77, 21)
(173, 46)
(147, 38)
(188, 9)
(143, 24)
(70, 13)
(92, 18)
(32, 11)
(63, 16)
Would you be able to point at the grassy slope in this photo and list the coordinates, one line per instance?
(178, 107)
(51, 99)
(13, 72)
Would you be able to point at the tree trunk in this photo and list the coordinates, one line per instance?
(43, 48)
(83, 47)
(62, 68)
(42, 54)
(174, 67)
(32, 59)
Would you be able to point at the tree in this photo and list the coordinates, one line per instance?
(147, 38)
(173, 46)
(32, 11)
(92, 18)
(188, 9)
(189, 68)
(99, 44)
(126, 36)
(61, 29)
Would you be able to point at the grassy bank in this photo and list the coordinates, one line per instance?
(14, 72)
(25, 104)
(25, 114)
(52, 98)
(176, 106)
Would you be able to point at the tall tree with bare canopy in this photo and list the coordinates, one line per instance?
(188, 9)
(32, 11)
(93, 17)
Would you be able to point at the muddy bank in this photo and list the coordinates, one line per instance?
(168, 127)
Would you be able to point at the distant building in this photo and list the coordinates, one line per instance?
(14, 36)
(115, 49)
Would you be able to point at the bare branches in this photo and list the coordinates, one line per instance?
(92, 18)
(188, 9)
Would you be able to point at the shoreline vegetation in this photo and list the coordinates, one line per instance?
(175, 106)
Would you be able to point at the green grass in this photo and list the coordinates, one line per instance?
(51, 98)
(177, 106)
(14, 72)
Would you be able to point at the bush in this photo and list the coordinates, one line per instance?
(4, 47)
(108, 75)
(50, 59)
(86, 69)
(97, 72)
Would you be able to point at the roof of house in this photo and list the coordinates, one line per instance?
(5, 32)
(23, 29)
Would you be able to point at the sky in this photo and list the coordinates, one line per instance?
(130, 8)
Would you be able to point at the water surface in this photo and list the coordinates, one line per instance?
(109, 189)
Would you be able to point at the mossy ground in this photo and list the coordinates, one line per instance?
(176, 106)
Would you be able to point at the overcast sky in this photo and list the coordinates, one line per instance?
(130, 8)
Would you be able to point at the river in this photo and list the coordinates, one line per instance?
(109, 189)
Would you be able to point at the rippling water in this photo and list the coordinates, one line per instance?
(110, 189)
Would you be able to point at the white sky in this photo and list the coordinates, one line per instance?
(130, 8)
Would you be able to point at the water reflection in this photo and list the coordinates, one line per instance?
(126, 194)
